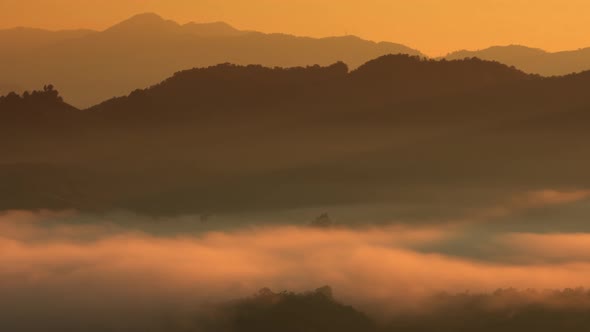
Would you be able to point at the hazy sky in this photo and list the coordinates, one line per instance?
(433, 26)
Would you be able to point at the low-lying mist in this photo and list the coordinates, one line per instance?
(57, 274)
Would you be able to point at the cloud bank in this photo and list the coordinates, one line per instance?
(95, 273)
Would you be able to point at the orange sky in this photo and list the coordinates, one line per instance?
(433, 26)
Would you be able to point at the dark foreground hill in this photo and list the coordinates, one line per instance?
(505, 309)
(91, 66)
(414, 134)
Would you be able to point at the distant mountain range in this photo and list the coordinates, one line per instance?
(89, 67)
(398, 130)
(532, 60)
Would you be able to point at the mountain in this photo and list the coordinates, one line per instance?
(532, 60)
(146, 49)
(399, 130)
(152, 24)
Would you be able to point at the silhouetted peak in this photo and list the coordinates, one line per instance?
(150, 23)
(144, 18)
(147, 22)
(211, 29)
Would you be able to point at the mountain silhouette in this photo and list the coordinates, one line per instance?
(92, 66)
(225, 138)
(146, 49)
(144, 24)
(508, 309)
(150, 23)
(532, 60)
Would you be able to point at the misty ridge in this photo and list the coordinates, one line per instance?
(399, 130)
(532, 60)
(90, 66)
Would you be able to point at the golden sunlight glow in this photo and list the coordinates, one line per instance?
(433, 26)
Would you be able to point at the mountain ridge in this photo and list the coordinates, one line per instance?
(218, 139)
(92, 66)
(146, 49)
